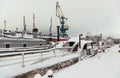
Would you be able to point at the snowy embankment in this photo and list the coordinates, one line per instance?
(14, 70)
(103, 65)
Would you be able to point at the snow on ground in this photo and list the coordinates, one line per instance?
(17, 69)
(103, 65)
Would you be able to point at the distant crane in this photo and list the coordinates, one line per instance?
(62, 19)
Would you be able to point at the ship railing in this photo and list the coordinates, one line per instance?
(28, 56)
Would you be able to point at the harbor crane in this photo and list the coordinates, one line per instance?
(62, 19)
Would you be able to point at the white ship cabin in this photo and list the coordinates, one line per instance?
(86, 46)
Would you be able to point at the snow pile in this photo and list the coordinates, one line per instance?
(103, 65)
(37, 76)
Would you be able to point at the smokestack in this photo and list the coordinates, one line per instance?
(23, 20)
(35, 30)
(50, 30)
(24, 24)
(4, 24)
(33, 20)
(58, 34)
(50, 25)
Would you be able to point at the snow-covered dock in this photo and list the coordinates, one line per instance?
(23, 62)
(33, 62)
(103, 65)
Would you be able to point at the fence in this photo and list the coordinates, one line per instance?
(12, 58)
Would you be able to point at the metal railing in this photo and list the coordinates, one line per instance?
(13, 58)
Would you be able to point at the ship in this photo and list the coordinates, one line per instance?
(10, 39)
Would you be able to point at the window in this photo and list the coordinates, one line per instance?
(24, 45)
(40, 44)
(7, 45)
(71, 43)
(76, 48)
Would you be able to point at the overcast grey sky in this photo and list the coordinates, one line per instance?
(95, 16)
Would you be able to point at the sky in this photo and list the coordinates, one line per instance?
(93, 16)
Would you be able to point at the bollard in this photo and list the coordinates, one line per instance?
(49, 74)
(37, 76)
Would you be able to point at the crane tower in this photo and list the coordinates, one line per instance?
(62, 19)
